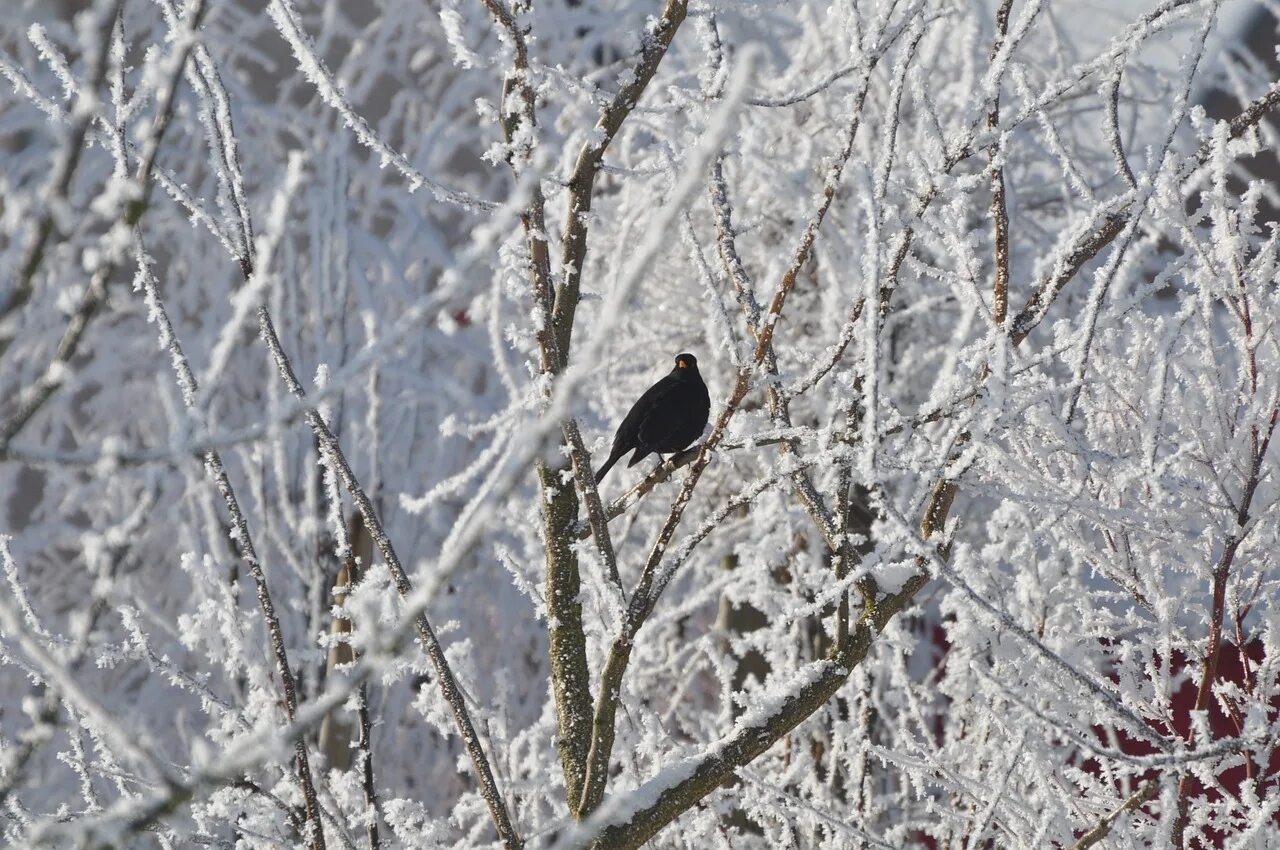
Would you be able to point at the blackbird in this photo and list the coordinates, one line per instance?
(668, 417)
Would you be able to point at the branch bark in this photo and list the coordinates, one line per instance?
(653, 48)
(999, 211)
(1145, 793)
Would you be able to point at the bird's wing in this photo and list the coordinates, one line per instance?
(642, 409)
(660, 422)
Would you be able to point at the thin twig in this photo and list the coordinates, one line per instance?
(430, 643)
(244, 541)
(1146, 793)
(1110, 222)
(999, 211)
(64, 169)
(778, 403)
(313, 67)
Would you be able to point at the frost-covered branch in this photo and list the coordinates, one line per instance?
(240, 534)
(313, 67)
(1146, 793)
(130, 208)
(54, 194)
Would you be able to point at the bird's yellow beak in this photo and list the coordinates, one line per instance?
(681, 364)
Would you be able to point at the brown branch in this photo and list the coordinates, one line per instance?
(365, 743)
(934, 520)
(1246, 120)
(819, 681)
(335, 734)
(609, 692)
(662, 473)
(779, 405)
(362, 556)
(1221, 573)
(597, 518)
(1145, 793)
(1113, 126)
(726, 244)
(999, 210)
(334, 741)
(654, 44)
(567, 646)
(843, 554)
(554, 335)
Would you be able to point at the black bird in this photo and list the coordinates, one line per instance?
(668, 417)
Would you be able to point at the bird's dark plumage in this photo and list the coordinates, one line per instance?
(667, 418)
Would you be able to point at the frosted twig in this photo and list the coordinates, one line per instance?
(64, 169)
(1137, 725)
(137, 191)
(1145, 793)
(286, 21)
(240, 533)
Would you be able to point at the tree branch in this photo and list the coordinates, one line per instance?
(1146, 793)
(660, 801)
(430, 643)
(60, 177)
(653, 47)
(1113, 223)
(999, 211)
(779, 404)
(138, 192)
(566, 639)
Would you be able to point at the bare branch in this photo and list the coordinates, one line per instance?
(999, 212)
(1146, 793)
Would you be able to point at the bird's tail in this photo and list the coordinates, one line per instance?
(608, 465)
